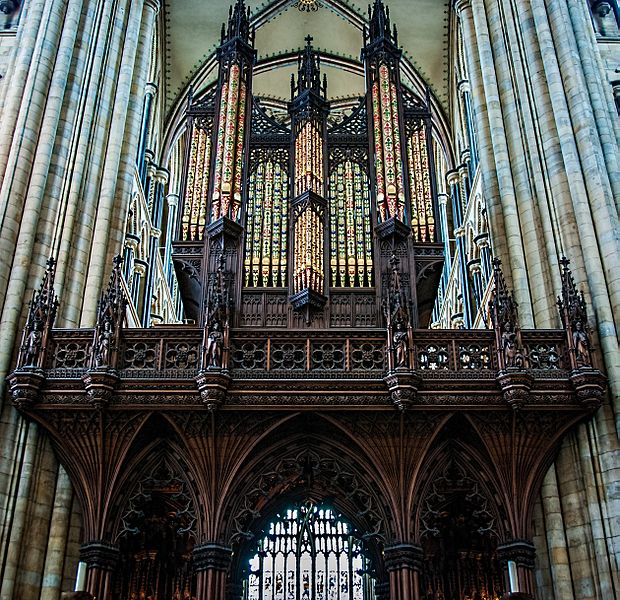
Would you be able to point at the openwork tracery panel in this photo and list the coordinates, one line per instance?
(422, 213)
(350, 237)
(266, 247)
(194, 216)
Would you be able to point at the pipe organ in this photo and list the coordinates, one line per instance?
(305, 207)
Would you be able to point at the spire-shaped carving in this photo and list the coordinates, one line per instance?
(380, 28)
(238, 24)
(40, 320)
(397, 317)
(309, 72)
(110, 321)
(217, 321)
(574, 315)
(506, 322)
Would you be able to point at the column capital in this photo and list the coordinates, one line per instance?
(154, 5)
(522, 552)
(403, 556)
(101, 554)
(173, 200)
(211, 556)
(463, 86)
(452, 177)
(150, 89)
(442, 199)
(461, 5)
(162, 175)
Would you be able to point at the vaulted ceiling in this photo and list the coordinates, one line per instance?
(193, 32)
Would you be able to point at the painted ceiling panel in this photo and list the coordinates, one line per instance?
(193, 32)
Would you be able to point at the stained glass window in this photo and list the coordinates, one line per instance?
(308, 552)
(267, 222)
(350, 238)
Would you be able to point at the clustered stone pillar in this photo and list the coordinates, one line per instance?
(211, 563)
(547, 132)
(403, 562)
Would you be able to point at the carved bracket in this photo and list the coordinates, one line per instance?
(589, 385)
(212, 386)
(25, 386)
(209, 556)
(99, 385)
(403, 386)
(516, 386)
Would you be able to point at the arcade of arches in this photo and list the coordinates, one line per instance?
(335, 322)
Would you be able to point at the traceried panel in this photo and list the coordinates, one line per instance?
(308, 553)
(351, 263)
(194, 215)
(422, 212)
(266, 248)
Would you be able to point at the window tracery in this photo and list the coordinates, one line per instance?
(308, 552)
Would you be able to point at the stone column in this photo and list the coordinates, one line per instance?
(101, 559)
(57, 542)
(113, 178)
(211, 564)
(442, 200)
(171, 222)
(403, 562)
(149, 95)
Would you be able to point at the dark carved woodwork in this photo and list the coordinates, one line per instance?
(340, 397)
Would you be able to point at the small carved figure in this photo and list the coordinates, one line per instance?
(400, 344)
(512, 354)
(509, 345)
(104, 339)
(33, 345)
(581, 345)
(215, 341)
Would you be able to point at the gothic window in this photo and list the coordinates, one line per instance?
(308, 552)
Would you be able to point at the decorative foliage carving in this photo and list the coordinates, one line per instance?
(40, 320)
(308, 469)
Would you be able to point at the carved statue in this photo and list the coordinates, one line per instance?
(215, 341)
(581, 345)
(110, 319)
(574, 315)
(33, 345)
(401, 345)
(104, 341)
(506, 323)
(40, 320)
(513, 357)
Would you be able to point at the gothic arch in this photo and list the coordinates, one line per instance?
(305, 465)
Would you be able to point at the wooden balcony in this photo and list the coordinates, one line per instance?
(337, 368)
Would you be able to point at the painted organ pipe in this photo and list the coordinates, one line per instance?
(308, 111)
